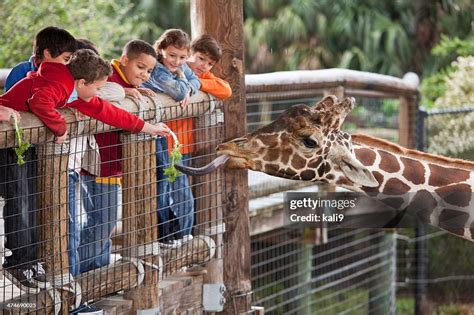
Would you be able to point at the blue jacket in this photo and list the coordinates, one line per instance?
(164, 81)
(19, 72)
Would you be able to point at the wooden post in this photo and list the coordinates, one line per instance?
(223, 19)
(53, 214)
(407, 121)
(139, 213)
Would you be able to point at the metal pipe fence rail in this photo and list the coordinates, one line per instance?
(112, 223)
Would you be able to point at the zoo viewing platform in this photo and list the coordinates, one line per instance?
(142, 271)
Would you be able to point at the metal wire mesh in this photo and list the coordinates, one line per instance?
(87, 210)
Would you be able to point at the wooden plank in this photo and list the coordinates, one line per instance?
(140, 219)
(223, 19)
(189, 297)
(53, 213)
(407, 121)
(160, 107)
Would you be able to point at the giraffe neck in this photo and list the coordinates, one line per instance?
(438, 194)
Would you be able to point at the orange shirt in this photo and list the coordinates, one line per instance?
(183, 128)
(214, 85)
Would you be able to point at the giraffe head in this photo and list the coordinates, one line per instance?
(304, 143)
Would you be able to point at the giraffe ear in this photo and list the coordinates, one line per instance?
(326, 102)
(357, 173)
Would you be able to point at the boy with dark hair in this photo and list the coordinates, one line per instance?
(42, 92)
(52, 44)
(55, 45)
(132, 69)
(205, 53)
(84, 43)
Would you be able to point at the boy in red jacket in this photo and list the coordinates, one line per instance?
(134, 67)
(44, 91)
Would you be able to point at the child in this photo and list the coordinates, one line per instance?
(205, 53)
(79, 146)
(134, 67)
(51, 44)
(41, 93)
(173, 77)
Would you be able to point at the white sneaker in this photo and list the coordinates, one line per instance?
(187, 238)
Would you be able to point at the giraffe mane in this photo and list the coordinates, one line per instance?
(397, 149)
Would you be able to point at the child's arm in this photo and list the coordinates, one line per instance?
(215, 86)
(106, 112)
(43, 103)
(165, 82)
(111, 115)
(192, 79)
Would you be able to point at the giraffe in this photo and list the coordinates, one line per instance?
(306, 143)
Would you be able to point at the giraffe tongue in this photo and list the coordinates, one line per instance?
(206, 169)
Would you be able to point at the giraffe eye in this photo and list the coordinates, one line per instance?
(310, 143)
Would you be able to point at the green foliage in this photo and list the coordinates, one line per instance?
(454, 135)
(107, 23)
(171, 172)
(433, 85)
(22, 145)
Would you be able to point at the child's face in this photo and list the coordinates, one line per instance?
(87, 91)
(137, 70)
(62, 58)
(200, 63)
(173, 57)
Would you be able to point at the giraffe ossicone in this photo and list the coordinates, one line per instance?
(307, 143)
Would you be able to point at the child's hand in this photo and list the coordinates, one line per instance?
(147, 92)
(180, 74)
(185, 101)
(61, 139)
(160, 129)
(133, 93)
(6, 114)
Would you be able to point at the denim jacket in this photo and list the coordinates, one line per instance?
(164, 81)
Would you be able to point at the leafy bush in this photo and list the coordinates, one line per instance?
(448, 135)
(107, 23)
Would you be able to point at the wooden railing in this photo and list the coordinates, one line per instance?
(139, 220)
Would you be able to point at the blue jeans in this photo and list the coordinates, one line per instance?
(175, 200)
(74, 235)
(101, 206)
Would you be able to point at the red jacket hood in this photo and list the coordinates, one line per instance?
(56, 72)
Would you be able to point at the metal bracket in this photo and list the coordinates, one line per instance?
(213, 297)
(150, 311)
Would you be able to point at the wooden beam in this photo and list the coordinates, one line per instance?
(139, 213)
(159, 108)
(223, 19)
(53, 209)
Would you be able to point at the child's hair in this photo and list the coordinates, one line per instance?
(136, 47)
(176, 37)
(86, 64)
(206, 44)
(56, 40)
(84, 43)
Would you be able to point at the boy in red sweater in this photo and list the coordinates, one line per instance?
(205, 53)
(49, 88)
(134, 67)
